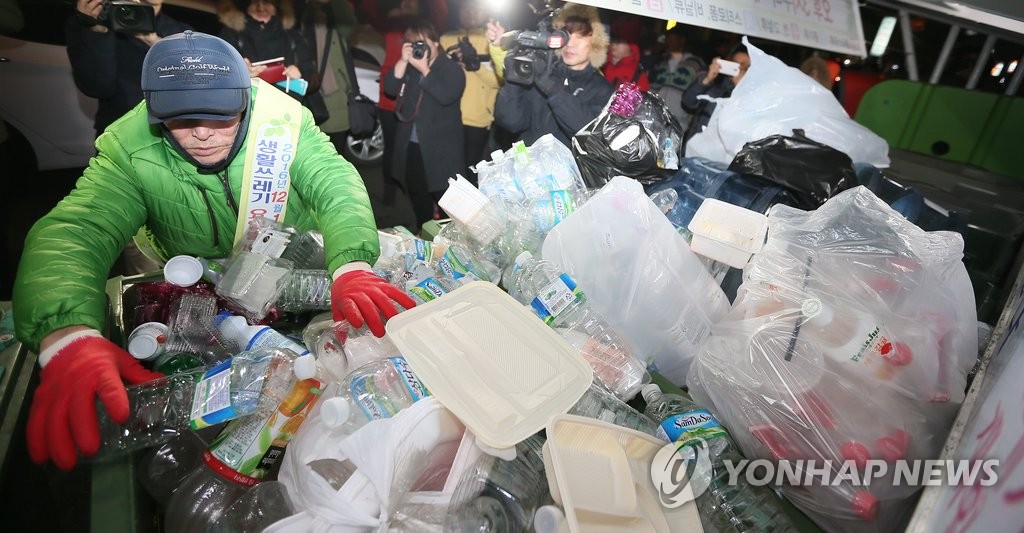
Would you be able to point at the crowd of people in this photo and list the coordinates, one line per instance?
(455, 91)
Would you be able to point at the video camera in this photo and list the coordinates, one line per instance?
(533, 51)
(124, 16)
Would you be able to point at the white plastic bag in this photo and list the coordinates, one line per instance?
(639, 273)
(850, 339)
(776, 99)
(390, 456)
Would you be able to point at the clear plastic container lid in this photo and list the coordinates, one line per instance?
(491, 362)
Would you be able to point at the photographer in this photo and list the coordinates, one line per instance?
(567, 90)
(427, 86)
(715, 85)
(107, 65)
(467, 46)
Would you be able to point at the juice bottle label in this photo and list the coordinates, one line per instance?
(691, 427)
(211, 401)
(252, 445)
(374, 400)
(555, 297)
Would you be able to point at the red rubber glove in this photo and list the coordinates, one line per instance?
(361, 296)
(63, 420)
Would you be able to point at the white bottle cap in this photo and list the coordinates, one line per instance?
(548, 519)
(233, 327)
(143, 347)
(304, 367)
(649, 391)
(334, 412)
(183, 270)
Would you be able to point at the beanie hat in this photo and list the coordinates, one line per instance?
(194, 75)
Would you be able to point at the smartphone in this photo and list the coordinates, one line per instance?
(274, 71)
(298, 85)
(729, 68)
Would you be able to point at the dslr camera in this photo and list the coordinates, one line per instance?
(533, 51)
(420, 50)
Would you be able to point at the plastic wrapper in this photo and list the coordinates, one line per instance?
(640, 274)
(814, 172)
(644, 146)
(357, 482)
(850, 339)
(776, 99)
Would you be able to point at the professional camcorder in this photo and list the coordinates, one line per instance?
(125, 16)
(532, 51)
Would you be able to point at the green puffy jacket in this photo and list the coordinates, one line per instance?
(137, 178)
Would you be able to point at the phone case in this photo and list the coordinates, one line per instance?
(273, 74)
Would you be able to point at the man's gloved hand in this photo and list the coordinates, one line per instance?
(358, 295)
(549, 79)
(76, 369)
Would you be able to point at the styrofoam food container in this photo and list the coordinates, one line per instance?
(492, 362)
(183, 270)
(600, 474)
(727, 233)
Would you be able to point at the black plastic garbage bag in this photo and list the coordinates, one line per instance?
(813, 171)
(644, 146)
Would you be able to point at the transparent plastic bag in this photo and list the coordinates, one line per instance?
(850, 339)
(776, 99)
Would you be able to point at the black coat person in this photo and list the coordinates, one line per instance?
(431, 104)
(108, 65)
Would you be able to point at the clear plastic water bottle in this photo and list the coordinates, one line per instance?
(256, 510)
(495, 495)
(556, 299)
(373, 391)
(161, 409)
(306, 290)
(601, 404)
(547, 210)
(241, 456)
(306, 251)
(462, 265)
(432, 288)
(162, 469)
(158, 411)
(723, 507)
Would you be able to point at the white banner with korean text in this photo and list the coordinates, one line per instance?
(832, 25)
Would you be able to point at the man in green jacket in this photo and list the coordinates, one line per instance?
(174, 164)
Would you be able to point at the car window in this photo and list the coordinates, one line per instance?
(42, 20)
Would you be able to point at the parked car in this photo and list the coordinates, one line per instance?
(50, 123)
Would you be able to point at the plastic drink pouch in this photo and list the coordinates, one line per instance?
(248, 448)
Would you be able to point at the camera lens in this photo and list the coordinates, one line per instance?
(126, 16)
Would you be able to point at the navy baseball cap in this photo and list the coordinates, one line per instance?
(194, 75)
